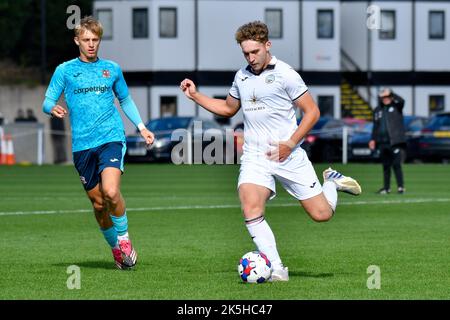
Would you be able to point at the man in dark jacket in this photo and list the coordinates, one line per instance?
(388, 136)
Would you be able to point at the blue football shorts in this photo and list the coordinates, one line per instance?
(91, 162)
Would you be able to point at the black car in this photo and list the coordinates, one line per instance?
(414, 126)
(319, 124)
(325, 144)
(434, 141)
(312, 135)
(358, 142)
(170, 133)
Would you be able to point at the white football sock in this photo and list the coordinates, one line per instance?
(330, 193)
(264, 239)
(124, 237)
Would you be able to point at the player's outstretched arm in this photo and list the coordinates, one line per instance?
(221, 107)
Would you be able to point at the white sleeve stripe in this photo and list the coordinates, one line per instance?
(300, 95)
(233, 96)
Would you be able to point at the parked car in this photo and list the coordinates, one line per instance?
(413, 127)
(238, 140)
(358, 142)
(312, 135)
(325, 145)
(358, 145)
(165, 141)
(319, 124)
(434, 140)
(239, 133)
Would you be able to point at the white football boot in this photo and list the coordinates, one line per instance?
(343, 183)
(281, 274)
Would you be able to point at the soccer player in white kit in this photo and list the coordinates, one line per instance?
(268, 91)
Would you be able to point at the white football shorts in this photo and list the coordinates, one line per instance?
(296, 174)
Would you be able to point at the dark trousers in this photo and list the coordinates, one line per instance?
(59, 149)
(392, 157)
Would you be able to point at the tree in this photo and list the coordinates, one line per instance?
(20, 31)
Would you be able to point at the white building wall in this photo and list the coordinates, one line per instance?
(219, 21)
(334, 91)
(185, 107)
(431, 54)
(395, 54)
(131, 54)
(177, 53)
(153, 53)
(354, 32)
(218, 51)
(320, 54)
(422, 96)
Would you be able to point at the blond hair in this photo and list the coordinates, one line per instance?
(255, 30)
(91, 24)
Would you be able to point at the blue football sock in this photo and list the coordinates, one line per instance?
(120, 224)
(110, 236)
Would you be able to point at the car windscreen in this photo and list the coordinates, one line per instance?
(366, 127)
(439, 121)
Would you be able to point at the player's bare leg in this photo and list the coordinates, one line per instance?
(104, 221)
(100, 209)
(111, 191)
(321, 207)
(253, 200)
(115, 203)
(318, 208)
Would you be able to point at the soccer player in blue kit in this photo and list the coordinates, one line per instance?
(98, 136)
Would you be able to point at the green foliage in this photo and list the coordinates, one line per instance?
(12, 25)
(20, 31)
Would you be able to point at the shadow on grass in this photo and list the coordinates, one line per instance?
(308, 274)
(98, 264)
(89, 264)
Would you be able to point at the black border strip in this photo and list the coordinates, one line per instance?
(225, 78)
(300, 95)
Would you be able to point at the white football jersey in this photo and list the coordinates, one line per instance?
(267, 104)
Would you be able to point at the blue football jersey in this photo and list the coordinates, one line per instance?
(89, 90)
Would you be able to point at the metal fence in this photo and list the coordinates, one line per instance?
(27, 141)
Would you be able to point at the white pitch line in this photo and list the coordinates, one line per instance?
(225, 206)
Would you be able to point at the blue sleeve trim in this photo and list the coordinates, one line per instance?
(130, 110)
(48, 105)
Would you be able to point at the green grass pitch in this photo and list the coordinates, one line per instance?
(187, 227)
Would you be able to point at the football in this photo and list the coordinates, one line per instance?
(254, 267)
